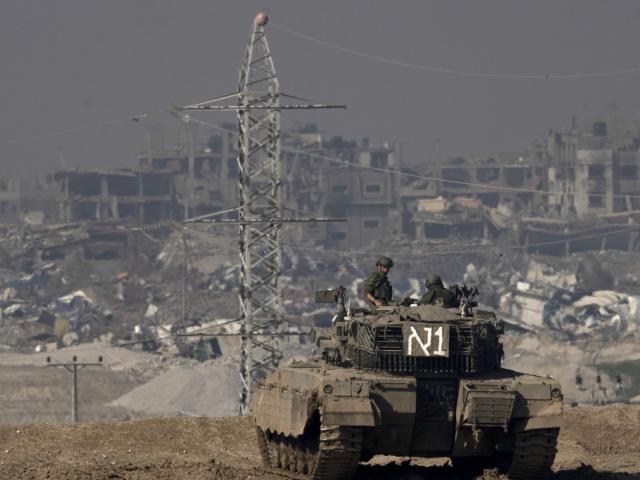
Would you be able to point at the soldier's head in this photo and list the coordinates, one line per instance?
(384, 264)
(433, 280)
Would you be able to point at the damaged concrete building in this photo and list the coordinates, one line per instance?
(470, 197)
(182, 182)
(369, 198)
(123, 194)
(203, 176)
(25, 200)
(10, 199)
(194, 181)
(596, 207)
(597, 204)
(594, 173)
(574, 182)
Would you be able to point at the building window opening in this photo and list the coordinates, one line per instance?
(490, 199)
(437, 230)
(379, 160)
(456, 175)
(629, 172)
(596, 171)
(488, 174)
(373, 188)
(515, 177)
(596, 201)
(371, 224)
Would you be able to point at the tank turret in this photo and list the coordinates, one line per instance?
(412, 339)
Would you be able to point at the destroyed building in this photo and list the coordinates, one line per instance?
(594, 172)
(25, 200)
(596, 207)
(575, 192)
(203, 176)
(579, 182)
(186, 181)
(122, 194)
(10, 199)
(362, 186)
(195, 180)
(472, 197)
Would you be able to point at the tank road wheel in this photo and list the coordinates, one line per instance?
(533, 454)
(324, 452)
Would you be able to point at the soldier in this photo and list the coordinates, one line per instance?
(437, 291)
(377, 288)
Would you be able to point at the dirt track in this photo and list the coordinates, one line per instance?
(606, 440)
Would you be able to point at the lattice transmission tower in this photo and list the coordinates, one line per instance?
(260, 192)
(261, 204)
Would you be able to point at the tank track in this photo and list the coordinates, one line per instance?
(332, 453)
(533, 454)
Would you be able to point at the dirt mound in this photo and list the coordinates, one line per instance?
(225, 448)
(173, 448)
(208, 390)
(603, 431)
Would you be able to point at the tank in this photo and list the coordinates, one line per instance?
(410, 381)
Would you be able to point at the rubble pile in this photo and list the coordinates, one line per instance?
(69, 284)
(31, 312)
(165, 291)
(569, 300)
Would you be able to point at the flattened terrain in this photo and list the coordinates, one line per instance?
(600, 443)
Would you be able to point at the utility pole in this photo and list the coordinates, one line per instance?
(258, 106)
(185, 272)
(73, 368)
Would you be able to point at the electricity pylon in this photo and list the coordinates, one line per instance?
(261, 205)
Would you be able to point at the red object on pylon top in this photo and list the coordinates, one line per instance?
(262, 19)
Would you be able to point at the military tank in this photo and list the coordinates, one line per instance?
(412, 381)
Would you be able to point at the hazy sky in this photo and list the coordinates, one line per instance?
(70, 64)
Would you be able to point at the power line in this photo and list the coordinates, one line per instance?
(476, 250)
(464, 73)
(67, 131)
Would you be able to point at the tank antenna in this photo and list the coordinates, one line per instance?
(474, 290)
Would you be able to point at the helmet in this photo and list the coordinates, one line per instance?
(385, 262)
(434, 280)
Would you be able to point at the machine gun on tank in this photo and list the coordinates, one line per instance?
(466, 296)
(338, 324)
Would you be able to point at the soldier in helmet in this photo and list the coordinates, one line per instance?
(436, 292)
(377, 288)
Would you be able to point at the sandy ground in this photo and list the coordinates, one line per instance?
(127, 385)
(544, 355)
(39, 394)
(32, 392)
(600, 443)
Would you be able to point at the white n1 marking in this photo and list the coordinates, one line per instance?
(440, 334)
(425, 346)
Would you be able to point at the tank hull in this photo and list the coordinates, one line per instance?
(426, 415)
